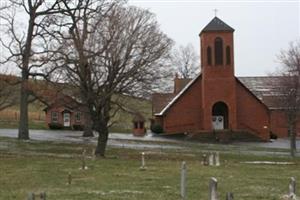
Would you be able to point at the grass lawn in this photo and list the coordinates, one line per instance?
(44, 166)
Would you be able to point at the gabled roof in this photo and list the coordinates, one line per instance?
(266, 89)
(178, 96)
(263, 88)
(160, 100)
(216, 25)
(180, 83)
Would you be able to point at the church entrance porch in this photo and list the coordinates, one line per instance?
(220, 116)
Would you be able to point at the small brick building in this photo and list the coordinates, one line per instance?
(65, 112)
(216, 100)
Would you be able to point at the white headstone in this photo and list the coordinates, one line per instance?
(292, 188)
(217, 159)
(213, 189)
(143, 166)
(211, 159)
(183, 181)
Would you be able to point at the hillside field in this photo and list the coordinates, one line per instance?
(9, 117)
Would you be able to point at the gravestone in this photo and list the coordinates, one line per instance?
(143, 166)
(211, 159)
(83, 163)
(292, 188)
(213, 189)
(43, 196)
(217, 159)
(31, 196)
(183, 181)
(229, 196)
(69, 178)
(205, 160)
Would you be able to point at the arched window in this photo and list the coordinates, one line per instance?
(208, 55)
(228, 57)
(218, 51)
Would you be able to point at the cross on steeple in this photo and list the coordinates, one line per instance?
(215, 10)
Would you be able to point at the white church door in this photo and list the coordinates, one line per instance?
(220, 116)
(218, 122)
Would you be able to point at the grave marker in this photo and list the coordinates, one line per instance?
(183, 181)
(213, 189)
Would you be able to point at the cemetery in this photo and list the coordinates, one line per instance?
(61, 170)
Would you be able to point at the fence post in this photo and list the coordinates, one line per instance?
(213, 189)
(183, 181)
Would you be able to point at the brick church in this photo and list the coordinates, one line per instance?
(216, 100)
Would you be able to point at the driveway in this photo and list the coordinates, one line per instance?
(115, 139)
(130, 141)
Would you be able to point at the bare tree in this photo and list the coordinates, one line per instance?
(77, 24)
(289, 89)
(186, 61)
(112, 50)
(27, 45)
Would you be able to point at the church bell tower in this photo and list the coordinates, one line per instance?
(218, 80)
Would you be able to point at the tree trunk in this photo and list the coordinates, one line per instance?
(23, 121)
(293, 139)
(102, 141)
(88, 127)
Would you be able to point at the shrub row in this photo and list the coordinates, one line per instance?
(58, 126)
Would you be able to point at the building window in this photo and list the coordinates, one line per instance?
(78, 116)
(228, 58)
(218, 51)
(136, 126)
(54, 116)
(208, 55)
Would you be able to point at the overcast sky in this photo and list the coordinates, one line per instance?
(262, 28)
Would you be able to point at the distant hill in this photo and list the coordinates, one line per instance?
(43, 93)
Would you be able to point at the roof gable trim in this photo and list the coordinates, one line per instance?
(178, 96)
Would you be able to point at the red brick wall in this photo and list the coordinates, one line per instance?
(208, 39)
(54, 109)
(60, 116)
(251, 114)
(278, 124)
(185, 114)
(215, 91)
(218, 83)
